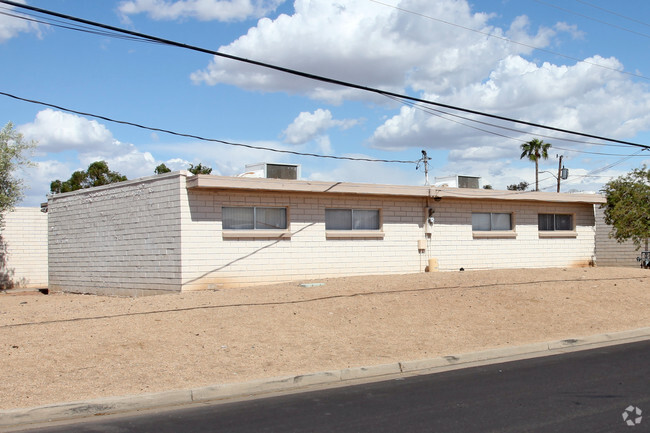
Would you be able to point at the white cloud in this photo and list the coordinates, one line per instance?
(364, 172)
(581, 97)
(56, 131)
(10, 26)
(308, 126)
(382, 47)
(370, 44)
(38, 177)
(89, 141)
(204, 10)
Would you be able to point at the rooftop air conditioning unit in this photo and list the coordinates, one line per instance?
(457, 181)
(273, 170)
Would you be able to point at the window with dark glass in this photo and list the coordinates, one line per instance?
(552, 222)
(351, 219)
(486, 221)
(254, 218)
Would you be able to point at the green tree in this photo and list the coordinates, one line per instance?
(521, 186)
(627, 208)
(534, 150)
(162, 168)
(487, 186)
(199, 169)
(97, 174)
(13, 150)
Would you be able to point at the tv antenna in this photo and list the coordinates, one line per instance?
(425, 162)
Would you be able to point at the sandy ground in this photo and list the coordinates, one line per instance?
(64, 347)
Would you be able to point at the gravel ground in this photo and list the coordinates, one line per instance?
(65, 347)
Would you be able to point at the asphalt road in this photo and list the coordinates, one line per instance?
(585, 391)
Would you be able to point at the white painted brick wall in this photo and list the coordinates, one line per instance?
(153, 235)
(210, 261)
(120, 239)
(24, 236)
(453, 244)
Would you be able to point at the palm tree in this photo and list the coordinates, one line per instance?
(533, 150)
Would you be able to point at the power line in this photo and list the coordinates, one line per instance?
(645, 35)
(314, 76)
(60, 24)
(197, 137)
(491, 35)
(613, 13)
(595, 153)
(441, 114)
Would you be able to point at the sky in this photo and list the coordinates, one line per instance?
(573, 64)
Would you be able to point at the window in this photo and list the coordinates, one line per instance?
(254, 218)
(553, 222)
(351, 219)
(482, 222)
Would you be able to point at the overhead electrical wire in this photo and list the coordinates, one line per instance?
(198, 137)
(60, 24)
(509, 40)
(595, 172)
(314, 76)
(613, 13)
(569, 11)
(441, 114)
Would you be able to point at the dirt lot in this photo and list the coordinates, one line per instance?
(64, 347)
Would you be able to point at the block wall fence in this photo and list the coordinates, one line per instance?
(119, 239)
(23, 244)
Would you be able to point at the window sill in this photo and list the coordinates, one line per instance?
(557, 234)
(256, 234)
(507, 234)
(353, 234)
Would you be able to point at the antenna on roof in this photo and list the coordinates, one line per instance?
(424, 161)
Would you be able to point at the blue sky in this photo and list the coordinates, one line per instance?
(576, 64)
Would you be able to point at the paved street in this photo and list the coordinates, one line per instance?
(584, 391)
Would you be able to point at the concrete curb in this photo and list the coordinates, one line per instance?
(113, 405)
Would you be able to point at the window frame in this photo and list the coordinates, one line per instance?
(558, 233)
(352, 232)
(257, 232)
(491, 234)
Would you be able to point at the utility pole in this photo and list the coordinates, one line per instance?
(562, 173)
(425, 161)
(559, 173)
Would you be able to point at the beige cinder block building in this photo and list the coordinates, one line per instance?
(177, 232)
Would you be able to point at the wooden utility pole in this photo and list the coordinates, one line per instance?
(559, 173)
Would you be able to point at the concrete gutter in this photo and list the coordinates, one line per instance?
(22, 418)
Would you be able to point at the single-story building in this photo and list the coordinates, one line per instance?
(178, 232)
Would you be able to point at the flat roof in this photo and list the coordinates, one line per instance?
(203, 181)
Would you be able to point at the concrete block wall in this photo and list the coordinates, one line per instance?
(119, 239)
(609, 252)
(212, 261)
(24, 243)
(453, 243)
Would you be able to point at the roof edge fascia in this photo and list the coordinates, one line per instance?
(210, 182)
